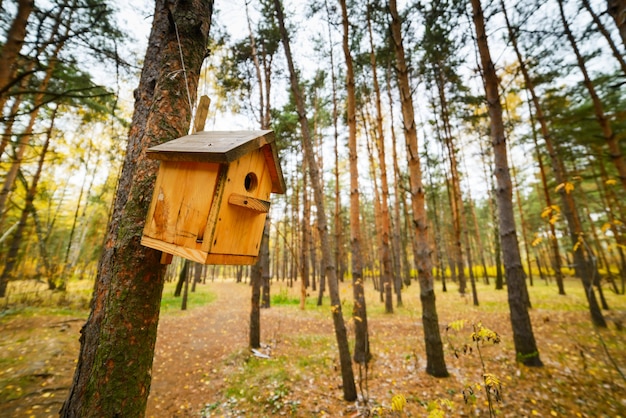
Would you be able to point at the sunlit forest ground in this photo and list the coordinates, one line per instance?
(203, 366)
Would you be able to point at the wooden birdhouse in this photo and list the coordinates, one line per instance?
(211, 195)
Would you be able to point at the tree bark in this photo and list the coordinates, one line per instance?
(113, 373)
(389, 274)
(349, 388)
(523, 337)
(582, 265)
(435, 362)
(359, 312)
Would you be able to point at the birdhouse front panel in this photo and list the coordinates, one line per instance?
(241, 217)
(183, 195)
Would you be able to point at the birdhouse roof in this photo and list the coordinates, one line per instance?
(223, 147)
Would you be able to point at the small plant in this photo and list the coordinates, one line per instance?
(398, 403)
(438, 408)
(491, 384)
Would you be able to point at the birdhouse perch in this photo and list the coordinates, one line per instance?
(211, 196)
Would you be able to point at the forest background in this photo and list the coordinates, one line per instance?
(66, 105)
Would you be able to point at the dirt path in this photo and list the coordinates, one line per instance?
(192, 346)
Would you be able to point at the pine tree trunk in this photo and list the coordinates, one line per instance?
(185, 298)
(349, 387)
(359, 312)
(400, 243)
(523, 337)
(554, 243)
(386, 294)
(388, 273)
(259, 299)
(583, 267)
(456, 198)
(178, 290)
(264, 259)
(113, 373)
(610, 202)
(435, 363)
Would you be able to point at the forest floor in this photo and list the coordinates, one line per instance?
(203, 367)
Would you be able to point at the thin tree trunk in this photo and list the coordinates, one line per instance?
(610, 202)
(456, 197)
(400, 243)
(388, 273)
(524, 226)
(11, 257)
(497, 250)
(582, 265)
(435, 363)
(554, 243)
(264, 260)
(610, 138)
(26, 135)
(359, 312)
(349, 387)
(523, 337)
(113, 372)
(614, 49)
(183, 303)
(476, 228)
(385, 288)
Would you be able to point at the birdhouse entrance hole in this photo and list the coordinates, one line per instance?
(250, 182)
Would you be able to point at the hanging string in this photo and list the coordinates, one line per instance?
(182, 60)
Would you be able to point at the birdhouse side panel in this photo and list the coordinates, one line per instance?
(181, 202)
(245, 202)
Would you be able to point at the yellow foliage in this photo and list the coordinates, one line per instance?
(398, 402)
(567, 186)
(484, 334)
(579, 242)
(551, 212)
(457, 325)
(611, 182)
(491, 380)
(536, 241)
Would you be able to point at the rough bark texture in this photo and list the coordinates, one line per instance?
(523, 337)
(113, 373)
(347, 374)
(361, 338)
(435, 363)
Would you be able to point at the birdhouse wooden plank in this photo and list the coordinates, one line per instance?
(211, 196)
